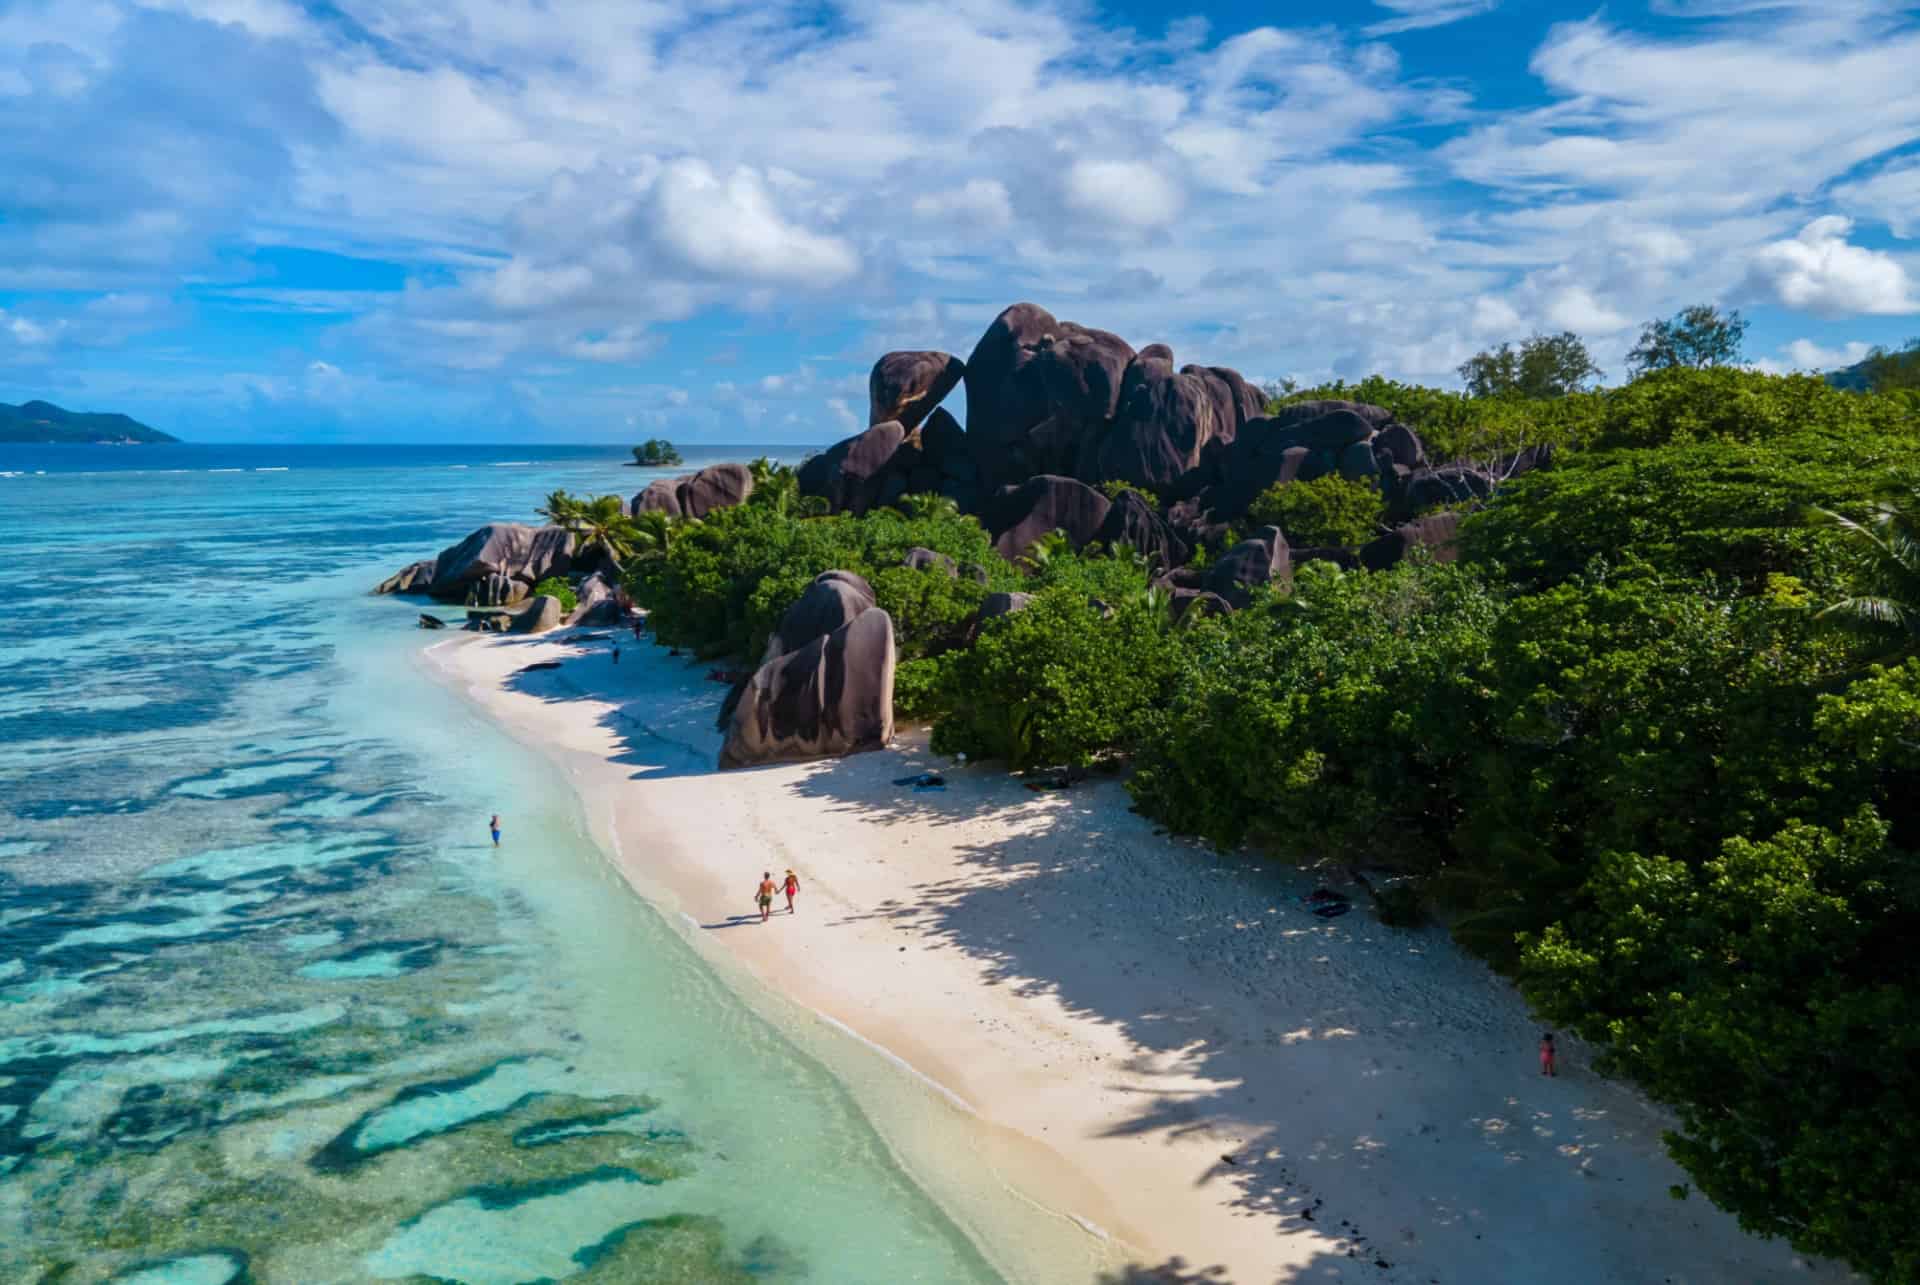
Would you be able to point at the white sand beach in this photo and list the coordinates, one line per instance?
(1157, 1041)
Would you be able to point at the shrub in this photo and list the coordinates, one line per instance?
(1057, 683)
(1326, 511)
(1683, 404)
(1112, 487)
(656, 452)
(554, 586)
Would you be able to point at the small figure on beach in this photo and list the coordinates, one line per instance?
(616, 653)
(639, 623)
(790, 887)
(494, 825)
(764, 897)
(1549, 1062)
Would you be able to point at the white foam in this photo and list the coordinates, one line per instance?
(278, 468)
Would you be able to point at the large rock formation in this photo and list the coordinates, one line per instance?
(1435, 533)
(411, 579)
(1131, 520)
(506, 551)
(598, 601)
(905, 386)
(1168, 423)
(853, 474)
(718, 486)
(537, 617)
(831, 693)
(1004, 401)
(1254, 562)
(1018, 516)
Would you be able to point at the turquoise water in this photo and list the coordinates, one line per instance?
(272, 1008)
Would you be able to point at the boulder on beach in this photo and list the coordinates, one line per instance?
(1018, 516)
(496, 589)
(509, 550)
(538, 616)
(599, 601)
(905, 386)
(718, 486)
(832, 696)
(431, 622)
(414, 578)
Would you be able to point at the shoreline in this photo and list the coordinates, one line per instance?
(1155, 1039)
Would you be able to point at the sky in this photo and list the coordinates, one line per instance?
(605, 220)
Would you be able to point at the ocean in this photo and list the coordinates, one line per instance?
(272, 1005)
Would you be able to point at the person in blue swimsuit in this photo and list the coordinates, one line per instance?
(494, 825)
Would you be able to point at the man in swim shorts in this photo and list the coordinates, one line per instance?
(764, 897)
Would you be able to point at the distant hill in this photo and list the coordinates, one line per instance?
(1852, 379)
(45, 422)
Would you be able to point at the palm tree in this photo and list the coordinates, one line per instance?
(1887, 546)
(602, 523)
(560, 509)
(653, 532)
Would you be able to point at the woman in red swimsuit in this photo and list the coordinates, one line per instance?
(791, 886)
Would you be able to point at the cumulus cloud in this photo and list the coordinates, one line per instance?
(1820, 271)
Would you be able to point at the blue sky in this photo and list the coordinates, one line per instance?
(418, 220)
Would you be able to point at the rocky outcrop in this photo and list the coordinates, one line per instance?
(918, 559)
(412, 579)
(1168, 423)
(905, 386)
(537, 617)
(1018, 516)
(599, 601)
(524, 555)
(1004, 401)
(829, 694)
(718, 486)
(1131, 521)
(1435, 533)
(496, 589)
(1253, 563)
(853, 474)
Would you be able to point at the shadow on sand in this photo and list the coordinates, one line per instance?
(1333, 1066)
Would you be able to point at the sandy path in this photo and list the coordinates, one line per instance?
(1235, 1090)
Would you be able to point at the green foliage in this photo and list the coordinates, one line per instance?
(1720, 404)
(1701, 335)
(1771, 995)
(1112, 487)
(1543, 366)
(725, 581)
(1326, 511)
(1058, 682)
(1706, 505)
(1455, 426)
(600, 526)
(1333, 722)
(555, 587)
(1884, 593)
(656, 452)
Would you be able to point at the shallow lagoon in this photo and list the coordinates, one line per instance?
(272, 1008)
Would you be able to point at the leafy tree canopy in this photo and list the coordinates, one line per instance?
(1701, 335)
(1326, 511)
(1543, 366)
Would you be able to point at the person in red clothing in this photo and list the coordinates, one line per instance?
(1549, 1063)
(790, 887)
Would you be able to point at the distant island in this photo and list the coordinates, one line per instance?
(45, 422)
(656, 452)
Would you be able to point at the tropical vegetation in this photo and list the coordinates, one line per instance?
(1650, 745)
(656, 452)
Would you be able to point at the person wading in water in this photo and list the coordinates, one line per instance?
(764, 897)
(494, 825)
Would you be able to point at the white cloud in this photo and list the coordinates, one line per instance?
(1127, 194)
(729, 228)
(1892, 196)
(1804, 354)
(1819, 271)
(1418, 14)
